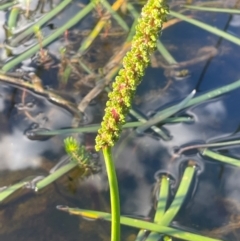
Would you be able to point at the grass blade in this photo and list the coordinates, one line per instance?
(94, 128)
(161, 207)
(203, 97)
(162, 199)
(6, 192)
(207, 27)
(7, 5)
(221, 158)
(165, 53)
(173, 232)
(115, 15)
(132, 10)
(55, 175)
(208, 9)
(208, 145)
(156, 129)
(12, 20)
(180, 195)
(157, 119)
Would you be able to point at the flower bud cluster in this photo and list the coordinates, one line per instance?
(129, 77)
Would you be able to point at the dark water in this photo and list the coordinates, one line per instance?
(214, 195)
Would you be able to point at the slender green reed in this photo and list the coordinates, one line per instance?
(209, 145)
(206, 96)
(12, 20)
(55, 175)
(164, 186)
(157, 119)
(209, 9)
(165, 53)
(136, 223)
(221, 158)
(9, 190)
(7, 5)
(94, 128)
(180, 196)
(207, 27)
(115, 15)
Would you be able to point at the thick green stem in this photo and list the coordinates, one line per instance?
(114, 195)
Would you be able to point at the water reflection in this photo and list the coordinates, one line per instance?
(17, 152)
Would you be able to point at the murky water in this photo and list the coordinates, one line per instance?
(214, 195)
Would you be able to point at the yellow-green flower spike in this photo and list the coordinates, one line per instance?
(76, 152)
(129, 77)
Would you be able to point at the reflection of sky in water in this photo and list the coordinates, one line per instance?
(235, 22)
(235, 25)
(17, 151)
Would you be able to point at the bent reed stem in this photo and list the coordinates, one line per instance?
(129, 77)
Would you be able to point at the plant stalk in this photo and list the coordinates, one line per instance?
(114, 194)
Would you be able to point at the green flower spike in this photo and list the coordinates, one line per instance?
(129, 77)
(76, 152)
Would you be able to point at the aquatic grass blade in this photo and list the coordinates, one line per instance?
(141, 236)
(158, 119)
(12, 20)
(132, 10)
(8, 191)
(221, 158)
(208, 145)
(55, 175)
(161, 206)
(165, 53)
(203, 97)
(209, 9)
(94, 127)
(162, 199)
(115, 15)
(180, 196)
(7, 5)
(173, 232)
(207, 27)
(156, 129)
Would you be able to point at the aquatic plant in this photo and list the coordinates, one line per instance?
(129, 77)
(80, 155)
(75, 151)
